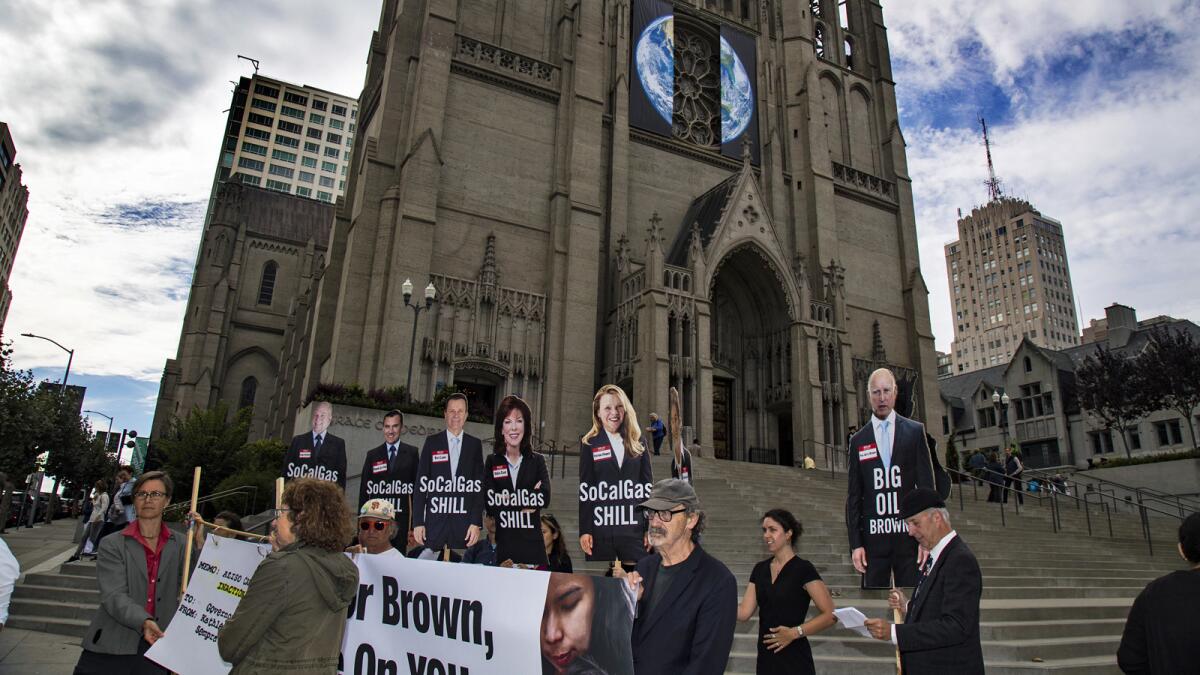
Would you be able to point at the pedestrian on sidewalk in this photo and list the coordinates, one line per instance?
(139, 571)
(1013, 469)
(91, 531)
(658, 431)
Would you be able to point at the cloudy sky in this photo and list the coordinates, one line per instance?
(116, 110)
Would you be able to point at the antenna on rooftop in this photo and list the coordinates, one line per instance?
(992, 183)
(253, 62)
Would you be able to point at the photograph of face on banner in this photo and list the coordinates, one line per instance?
(586, 626)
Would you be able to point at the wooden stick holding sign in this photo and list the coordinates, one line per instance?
(279, 492)
(192, 524)
(897, 618)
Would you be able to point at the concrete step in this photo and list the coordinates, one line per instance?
(43, 624)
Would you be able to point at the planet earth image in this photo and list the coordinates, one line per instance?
(655, 59)
(737, 96)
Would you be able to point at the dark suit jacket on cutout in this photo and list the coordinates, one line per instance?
(391, 484)
(612, 542)
(329, 463)
(521, 545)
(909, 452)
(449, 528)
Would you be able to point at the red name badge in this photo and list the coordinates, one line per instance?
(379, 467)
(306, 454)
(440, 456)
(500, 472)
(683, 474)
(867, 452)
(601, 453)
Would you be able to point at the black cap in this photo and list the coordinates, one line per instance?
(669, 493)
(919, 500)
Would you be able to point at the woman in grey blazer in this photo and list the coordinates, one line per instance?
(139, 570)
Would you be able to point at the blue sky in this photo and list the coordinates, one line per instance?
(116, 109)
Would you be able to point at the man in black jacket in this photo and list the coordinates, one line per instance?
(318, 454)
(940, 633)
(448, 501)
(389, 472)
(687, 599)
(889, 457)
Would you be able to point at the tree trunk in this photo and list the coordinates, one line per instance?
(1125, 442)
(1187, 415)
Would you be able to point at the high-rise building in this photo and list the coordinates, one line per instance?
(14, 209)
(1009, 279)
(696, 194)
(288, 138)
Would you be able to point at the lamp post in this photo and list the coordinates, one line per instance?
(62, 396)
(109, 433)
(430, 295)
(1000, 403)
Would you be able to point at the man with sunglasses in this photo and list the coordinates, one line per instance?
(376, 526)
(687, 599)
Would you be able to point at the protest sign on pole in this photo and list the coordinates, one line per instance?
(189, 646)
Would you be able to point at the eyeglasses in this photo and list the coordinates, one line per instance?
(379, 526)
(278, 513)
(149, 495)
(664, 516)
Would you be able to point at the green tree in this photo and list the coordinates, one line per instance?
(21, 428)
(207, 438)
(1171, 365)
(258, 465)
(1112, 388)
(67, 440)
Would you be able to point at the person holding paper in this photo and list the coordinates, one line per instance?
(940, 633)
(614, 477)
(780, 589)
(517, 486)
(139, 570)
(448, 501)
(293, 615)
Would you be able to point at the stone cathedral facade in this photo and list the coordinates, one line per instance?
(495, 157)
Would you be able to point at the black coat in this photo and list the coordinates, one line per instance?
(444, 507)
(690, 629)
(631, 483)
(683, 472)
(328, 463)
(940, 633)
(909, 452)
(396, 484)
(518, 534)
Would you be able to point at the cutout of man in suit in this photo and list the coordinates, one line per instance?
(940, 633)
(389, 472)
(448, 502)
(888, 459)
(317, 454)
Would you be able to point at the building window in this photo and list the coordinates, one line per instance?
(331, 167)
(819, 40)
(326, 181)
(337, 124)
(339, 110)
(262, 105)
(1100, 442)
(290, 127)
(1028, 365)
(292, 112)
(306, 177)
(324, 196)
(336, 139)
(1135, 439)
(287, 141)
(314, 148)
(269, 92)
(1169, 432)
(281, 171)
(298, 99)
(254, 148)
(261, 119)
(314, 133)
(284, 156)
(316, 119)
(310, 162)
(332, 152)
(302, 191)
(253, 164)
(247, 179)
(260, 134)
(986, 417)
(266, 287)
(319, 104)
(278, 186)
(249, 388)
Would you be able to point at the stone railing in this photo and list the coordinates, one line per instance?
(510, 63)
(864, 181)
(821, 312)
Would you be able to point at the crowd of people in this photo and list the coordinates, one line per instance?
(450, 502)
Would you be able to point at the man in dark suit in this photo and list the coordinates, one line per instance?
(318, 454)
(687, 599)
(888, 459)
(389, 472)
(940, 633)
(448, 501)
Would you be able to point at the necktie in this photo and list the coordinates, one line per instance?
(885, 444)
(391, 457)
(317, 446)
(923, 575)
(454, 457)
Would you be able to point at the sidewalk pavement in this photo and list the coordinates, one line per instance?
(39, 549)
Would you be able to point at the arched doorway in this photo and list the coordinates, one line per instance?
(751, 354)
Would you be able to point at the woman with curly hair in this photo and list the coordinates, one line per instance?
(294, 611)
(614, 477)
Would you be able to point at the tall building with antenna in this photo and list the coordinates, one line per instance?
(1009, 280)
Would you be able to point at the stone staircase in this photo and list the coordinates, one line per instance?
(1052, 602)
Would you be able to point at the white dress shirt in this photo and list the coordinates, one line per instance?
(933, 555)
(455, 444)
(618, 448)
(876, 423)
(513, 469)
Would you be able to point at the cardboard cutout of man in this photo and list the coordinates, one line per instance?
(317, 454)
(448, 502)
(888, 459)
(389, 472)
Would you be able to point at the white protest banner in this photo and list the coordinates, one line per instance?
(189, 646)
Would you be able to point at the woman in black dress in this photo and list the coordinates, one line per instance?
(780, 588)
(517, 487)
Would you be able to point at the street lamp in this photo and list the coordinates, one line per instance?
(430, 295)
(70, 357)
(1000, 403)
(110, 423)
(62, 396)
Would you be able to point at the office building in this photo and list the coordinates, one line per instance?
(14, 210)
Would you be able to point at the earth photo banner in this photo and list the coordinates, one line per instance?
(426, 618)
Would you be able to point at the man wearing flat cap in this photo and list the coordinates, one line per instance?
(687, 599)
(940, 633)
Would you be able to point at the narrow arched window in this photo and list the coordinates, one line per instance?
(819, 40)
(1028, 365)
(249, 389)
(266, 288)
(849, 54)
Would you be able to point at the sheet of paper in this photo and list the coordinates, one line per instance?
(852, 619)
